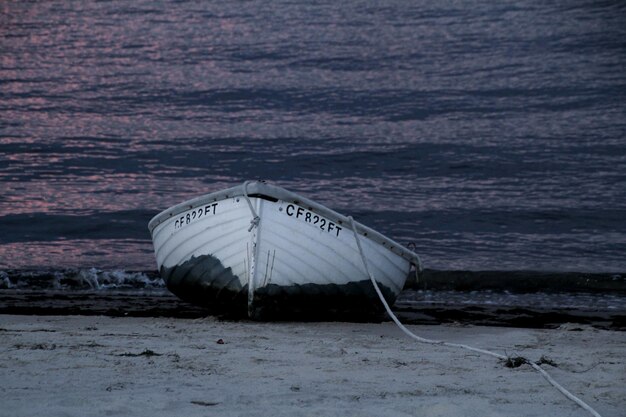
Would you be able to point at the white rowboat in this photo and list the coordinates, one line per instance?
(261, 249)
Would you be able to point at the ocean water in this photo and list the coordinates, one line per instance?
(492, 135)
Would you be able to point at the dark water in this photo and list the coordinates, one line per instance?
(490, 134)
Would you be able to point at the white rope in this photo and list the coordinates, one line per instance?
(412, 335)
(255, 217)
(564, 391)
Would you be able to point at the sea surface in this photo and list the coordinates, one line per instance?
(491, 135)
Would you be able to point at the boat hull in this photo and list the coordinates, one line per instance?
(354, 301)
(299, 260)
(203, 280)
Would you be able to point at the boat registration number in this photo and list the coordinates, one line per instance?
(310, 217)
(195, 214)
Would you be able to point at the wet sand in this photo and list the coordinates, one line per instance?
(94, 366)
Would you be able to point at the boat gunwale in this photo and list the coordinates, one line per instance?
(261, 189)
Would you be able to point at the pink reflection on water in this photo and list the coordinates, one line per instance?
(90, 193)
(126, 254)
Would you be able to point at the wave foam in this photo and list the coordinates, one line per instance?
(79, 279)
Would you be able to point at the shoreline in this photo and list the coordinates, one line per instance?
(95, 365)
(520, 281)
(514, 281)
(438, 308)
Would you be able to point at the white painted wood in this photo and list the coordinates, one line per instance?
(223, 234)
(294, 250)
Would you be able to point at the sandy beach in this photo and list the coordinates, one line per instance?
(96, 366)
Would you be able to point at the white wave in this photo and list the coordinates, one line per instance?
(5, 282)
(116, 279)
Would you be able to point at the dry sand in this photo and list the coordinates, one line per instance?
(98, 366)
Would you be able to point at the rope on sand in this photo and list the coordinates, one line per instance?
(412, 335)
